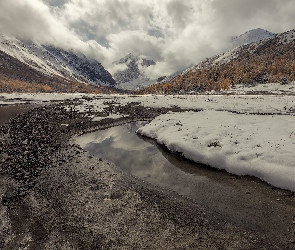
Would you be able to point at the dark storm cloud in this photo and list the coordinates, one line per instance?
(56, 3)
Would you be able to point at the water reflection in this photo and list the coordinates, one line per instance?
(144, 158)
(9, 111)
(141, 157)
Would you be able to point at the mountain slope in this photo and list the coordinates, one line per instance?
(271, 60)
(82, 69)
(133, 75)
(55, 61)
(16, 76)
(251, 36)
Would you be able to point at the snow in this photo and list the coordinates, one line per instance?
(6, 99)
(242, 144)
(251, 36)
(110, 116)
(254, 37)
(253, 134)
(269, 88)
(286, 37)
(54, 61)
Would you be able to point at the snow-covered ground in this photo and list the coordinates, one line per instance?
(244, 134)
(269, 88)
(243, 144)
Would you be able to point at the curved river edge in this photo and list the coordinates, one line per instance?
(54, 195)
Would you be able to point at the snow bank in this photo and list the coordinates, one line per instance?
(257, 145)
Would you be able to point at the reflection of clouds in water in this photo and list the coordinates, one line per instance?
(139, 157)
(122, 137)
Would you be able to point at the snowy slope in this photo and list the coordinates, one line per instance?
(251, 36)
(286, 37)
(282, 38)
(133, 75)
(236, 45)
(55, 61)
(82, 69)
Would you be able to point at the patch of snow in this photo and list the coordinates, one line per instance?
(110, 116)
(286, 37)
(267, 88)
(258, 145)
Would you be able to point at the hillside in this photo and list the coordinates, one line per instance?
(271, 60)
(55, 62)
(250, 36)
(16, 76)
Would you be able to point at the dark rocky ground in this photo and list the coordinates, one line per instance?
(54, 195)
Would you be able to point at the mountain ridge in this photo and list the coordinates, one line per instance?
(251, 36)
(56, 62)
(16, 76)
(269, 60)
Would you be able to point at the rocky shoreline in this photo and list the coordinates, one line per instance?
(54, 195)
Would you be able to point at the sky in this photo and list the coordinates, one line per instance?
(174, 33)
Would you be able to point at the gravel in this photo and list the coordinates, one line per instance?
(54, 195)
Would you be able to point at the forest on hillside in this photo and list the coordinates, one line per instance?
(16, 76)
(270, 61)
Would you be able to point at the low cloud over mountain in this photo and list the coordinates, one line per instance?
(173, 33)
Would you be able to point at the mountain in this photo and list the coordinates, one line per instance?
(133, 75)
(81, 68)
(251, 36)
(56, 62)
(270, 60)
(16, 76)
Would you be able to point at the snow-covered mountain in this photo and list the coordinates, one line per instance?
(268, 60)
(55, 61)
(133, 75)
(251, 36)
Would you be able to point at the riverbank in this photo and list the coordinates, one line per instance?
(57, 196)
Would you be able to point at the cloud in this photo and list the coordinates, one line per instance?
(174, 33)
(242, 15)
(56, 3)
(33, 20)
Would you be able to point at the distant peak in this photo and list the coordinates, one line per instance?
(251, 36)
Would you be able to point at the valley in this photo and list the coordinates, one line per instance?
(215, 138)
(56, 193)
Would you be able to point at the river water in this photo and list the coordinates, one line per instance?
(143, 158)
(245, 200)
(9, 111)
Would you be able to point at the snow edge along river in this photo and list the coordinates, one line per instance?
(242, 144)
(260, 142)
